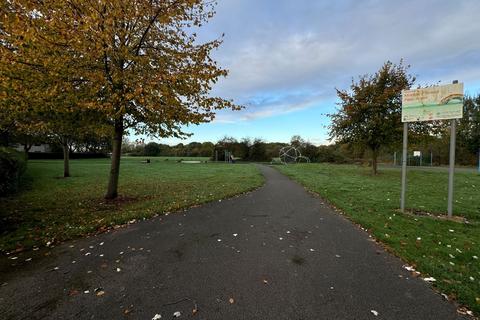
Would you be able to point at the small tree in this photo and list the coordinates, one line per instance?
(258, 150)
(152, 149)
(369, 114)
(469, 125)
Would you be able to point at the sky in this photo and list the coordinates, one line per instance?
(286, 57)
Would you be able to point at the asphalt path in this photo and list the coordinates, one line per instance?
(275, 253)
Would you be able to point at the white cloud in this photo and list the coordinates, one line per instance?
(279, 48)
(258, 107)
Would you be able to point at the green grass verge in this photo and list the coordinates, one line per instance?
(51, 208)
(445, 250)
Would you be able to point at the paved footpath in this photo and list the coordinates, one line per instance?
(275, 253)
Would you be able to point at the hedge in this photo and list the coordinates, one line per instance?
(59, 155)
(12, 166)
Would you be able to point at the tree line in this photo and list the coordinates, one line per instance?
(247, 149)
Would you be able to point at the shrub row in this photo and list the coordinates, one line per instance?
(59, 155)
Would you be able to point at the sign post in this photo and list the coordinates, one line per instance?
(428, 104)
(404, 166)
(451, 169)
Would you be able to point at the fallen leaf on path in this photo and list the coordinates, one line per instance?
(429, 279)
(409, 268)
(73, 292)
(176, 314)
(375, 313)
(464, 311)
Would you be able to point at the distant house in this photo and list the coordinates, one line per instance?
(37, 147)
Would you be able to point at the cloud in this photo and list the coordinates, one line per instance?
(258, 107)
(286, 56)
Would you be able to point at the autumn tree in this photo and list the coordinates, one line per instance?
(138, 62)
(69, 126)
(369, 113)
(55, 117)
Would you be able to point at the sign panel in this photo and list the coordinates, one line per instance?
(435, 103)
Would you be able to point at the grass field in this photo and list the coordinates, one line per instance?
(446, 250)
(51, 208)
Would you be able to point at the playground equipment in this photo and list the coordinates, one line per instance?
(290, 154)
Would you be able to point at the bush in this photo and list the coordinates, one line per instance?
(332, 155)
(12, 166)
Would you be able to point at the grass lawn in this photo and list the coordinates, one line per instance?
(446, 250)
(51, 208)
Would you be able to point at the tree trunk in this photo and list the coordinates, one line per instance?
(374, 161)
(66, 159)
(479, 160)
(112, 191)
(26, 149)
